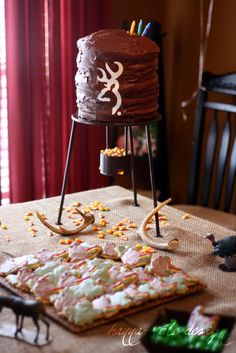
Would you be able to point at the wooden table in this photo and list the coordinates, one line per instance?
(193, 256)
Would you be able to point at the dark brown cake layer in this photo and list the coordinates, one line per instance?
(117, 77)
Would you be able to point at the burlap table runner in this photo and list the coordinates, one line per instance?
(192, 255)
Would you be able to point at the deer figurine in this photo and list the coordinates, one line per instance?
(23, 307)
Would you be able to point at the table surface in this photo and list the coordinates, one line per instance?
(193, 255)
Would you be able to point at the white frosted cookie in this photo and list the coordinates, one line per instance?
(47, 268)
(101, 275)
(82, 313)
(103, 304)
(86, 288)
(136, 295)
(181, 286)
(101, 263)
(147, 288)
(189, 280)
(121, 299)
(12, 279)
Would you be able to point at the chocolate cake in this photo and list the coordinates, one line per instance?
(117, 78)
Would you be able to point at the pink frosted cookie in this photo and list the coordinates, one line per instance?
(45, 255)
(9, 267)
(122, 273)
(24, 275)
(68, 279)
(143, 277)
(134, 258)
(13, 265)
(115, 270)
(43, 289)
(109, 251)
(160, 266)
(83, 251)
(63, 301)
(115, 287)
(198, 320)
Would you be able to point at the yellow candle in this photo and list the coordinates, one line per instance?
(131, 32)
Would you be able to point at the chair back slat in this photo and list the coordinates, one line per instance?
(212, 179)
(209, 160)
(231, 177)
(223, 152)
(196, 153)
(221, 106)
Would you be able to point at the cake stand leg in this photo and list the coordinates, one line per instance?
(152, 178)
(72, 134)
(107, 136)
(132, 165)
(126, 139)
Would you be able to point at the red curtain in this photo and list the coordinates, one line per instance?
(42, 98)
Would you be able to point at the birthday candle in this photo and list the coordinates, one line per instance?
(146, 29)
(140, 25)
(131, 32)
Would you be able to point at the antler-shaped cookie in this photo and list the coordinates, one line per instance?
(87, 219)
(170, 245)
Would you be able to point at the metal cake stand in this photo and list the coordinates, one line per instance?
(128, 136)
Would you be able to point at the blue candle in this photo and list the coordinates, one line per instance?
(146, 29)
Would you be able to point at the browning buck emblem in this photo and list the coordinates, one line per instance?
(111, 84)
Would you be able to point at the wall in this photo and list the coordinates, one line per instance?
(180, 21)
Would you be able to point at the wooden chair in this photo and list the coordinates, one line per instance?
(212, 179)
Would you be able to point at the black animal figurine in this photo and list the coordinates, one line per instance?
(225, 248)
(22, 307)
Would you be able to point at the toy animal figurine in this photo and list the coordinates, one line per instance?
(22, 307)
(225, 248)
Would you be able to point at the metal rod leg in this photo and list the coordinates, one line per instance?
(126, 139)
(132, 166)
(72, 134)
(107, 136)
(152, 178)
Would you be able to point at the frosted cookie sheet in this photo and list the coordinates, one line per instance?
(52, 314)
(158, 283)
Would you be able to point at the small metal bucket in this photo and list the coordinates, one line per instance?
(113, 165)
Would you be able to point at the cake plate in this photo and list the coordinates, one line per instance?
(128, 135)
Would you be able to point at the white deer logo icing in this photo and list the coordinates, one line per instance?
(111, 84)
